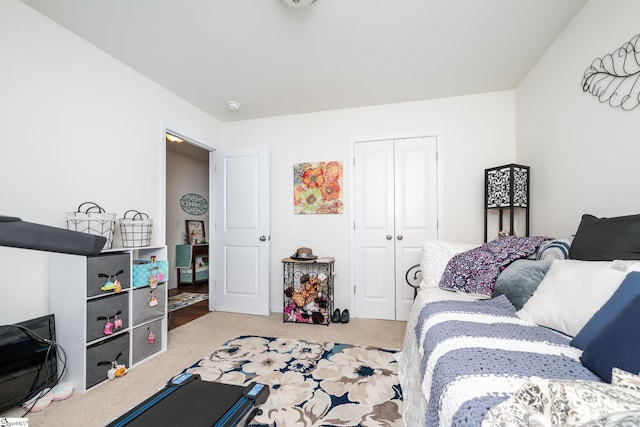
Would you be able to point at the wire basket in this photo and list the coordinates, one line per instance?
(135, 229)
(90, 218)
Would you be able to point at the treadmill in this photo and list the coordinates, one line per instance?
(187, 401)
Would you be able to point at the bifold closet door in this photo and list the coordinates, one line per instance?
(395, 210)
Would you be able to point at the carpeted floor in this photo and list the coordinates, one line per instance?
(311, 383)
(191, 342)
(184, 299)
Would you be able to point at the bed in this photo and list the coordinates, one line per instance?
(507, 351)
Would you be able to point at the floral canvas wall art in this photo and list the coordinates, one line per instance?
(317, 188)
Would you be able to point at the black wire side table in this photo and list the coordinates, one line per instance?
(308, 290)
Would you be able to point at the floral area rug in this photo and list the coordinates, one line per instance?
(311, 383)
(184, 299)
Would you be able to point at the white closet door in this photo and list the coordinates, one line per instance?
(395, 210)
(374, 230)
(416, 213)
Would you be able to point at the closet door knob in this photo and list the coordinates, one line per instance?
(399, 236)
(389, 237)
(263, 238)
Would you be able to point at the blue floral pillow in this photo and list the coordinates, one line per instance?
(475, 271)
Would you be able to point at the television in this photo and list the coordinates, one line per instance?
(28, 360)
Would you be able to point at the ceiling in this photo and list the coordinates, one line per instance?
(278, 60)
(188, 149)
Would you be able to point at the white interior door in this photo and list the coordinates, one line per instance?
(395, 210)
(241, 246)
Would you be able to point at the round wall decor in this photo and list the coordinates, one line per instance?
(194, 204)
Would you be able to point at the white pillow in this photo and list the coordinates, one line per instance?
(571, 292)
(435, 257)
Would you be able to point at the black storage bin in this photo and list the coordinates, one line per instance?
(142, 311)
(105, 309)
(103, 268)
(101, 355)
(143, 346)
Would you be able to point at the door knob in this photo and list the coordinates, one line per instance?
(389, 237)
(399, 236)
(263, 238)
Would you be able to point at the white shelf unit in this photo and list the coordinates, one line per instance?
(79, 304)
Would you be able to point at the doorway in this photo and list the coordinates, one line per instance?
(395, 210)
(187, 180)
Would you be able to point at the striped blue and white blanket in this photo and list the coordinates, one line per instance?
(476, 354)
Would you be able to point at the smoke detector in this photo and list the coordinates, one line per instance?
(233, 105)
(298, 3)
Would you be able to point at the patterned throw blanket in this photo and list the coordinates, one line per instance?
(475, 354)
(475, 271)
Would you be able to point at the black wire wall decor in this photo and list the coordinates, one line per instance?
(615, 78)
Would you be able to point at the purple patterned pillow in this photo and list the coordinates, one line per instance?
(475, 271)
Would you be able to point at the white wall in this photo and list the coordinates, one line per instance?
(82, 126)
(583, 154)
(77, 126)
(474, 132)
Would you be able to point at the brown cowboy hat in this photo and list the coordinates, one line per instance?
(304, 254)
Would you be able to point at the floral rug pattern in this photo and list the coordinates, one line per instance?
(184, 299)
(311, 383)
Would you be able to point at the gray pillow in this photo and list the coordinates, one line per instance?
(520, 280)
